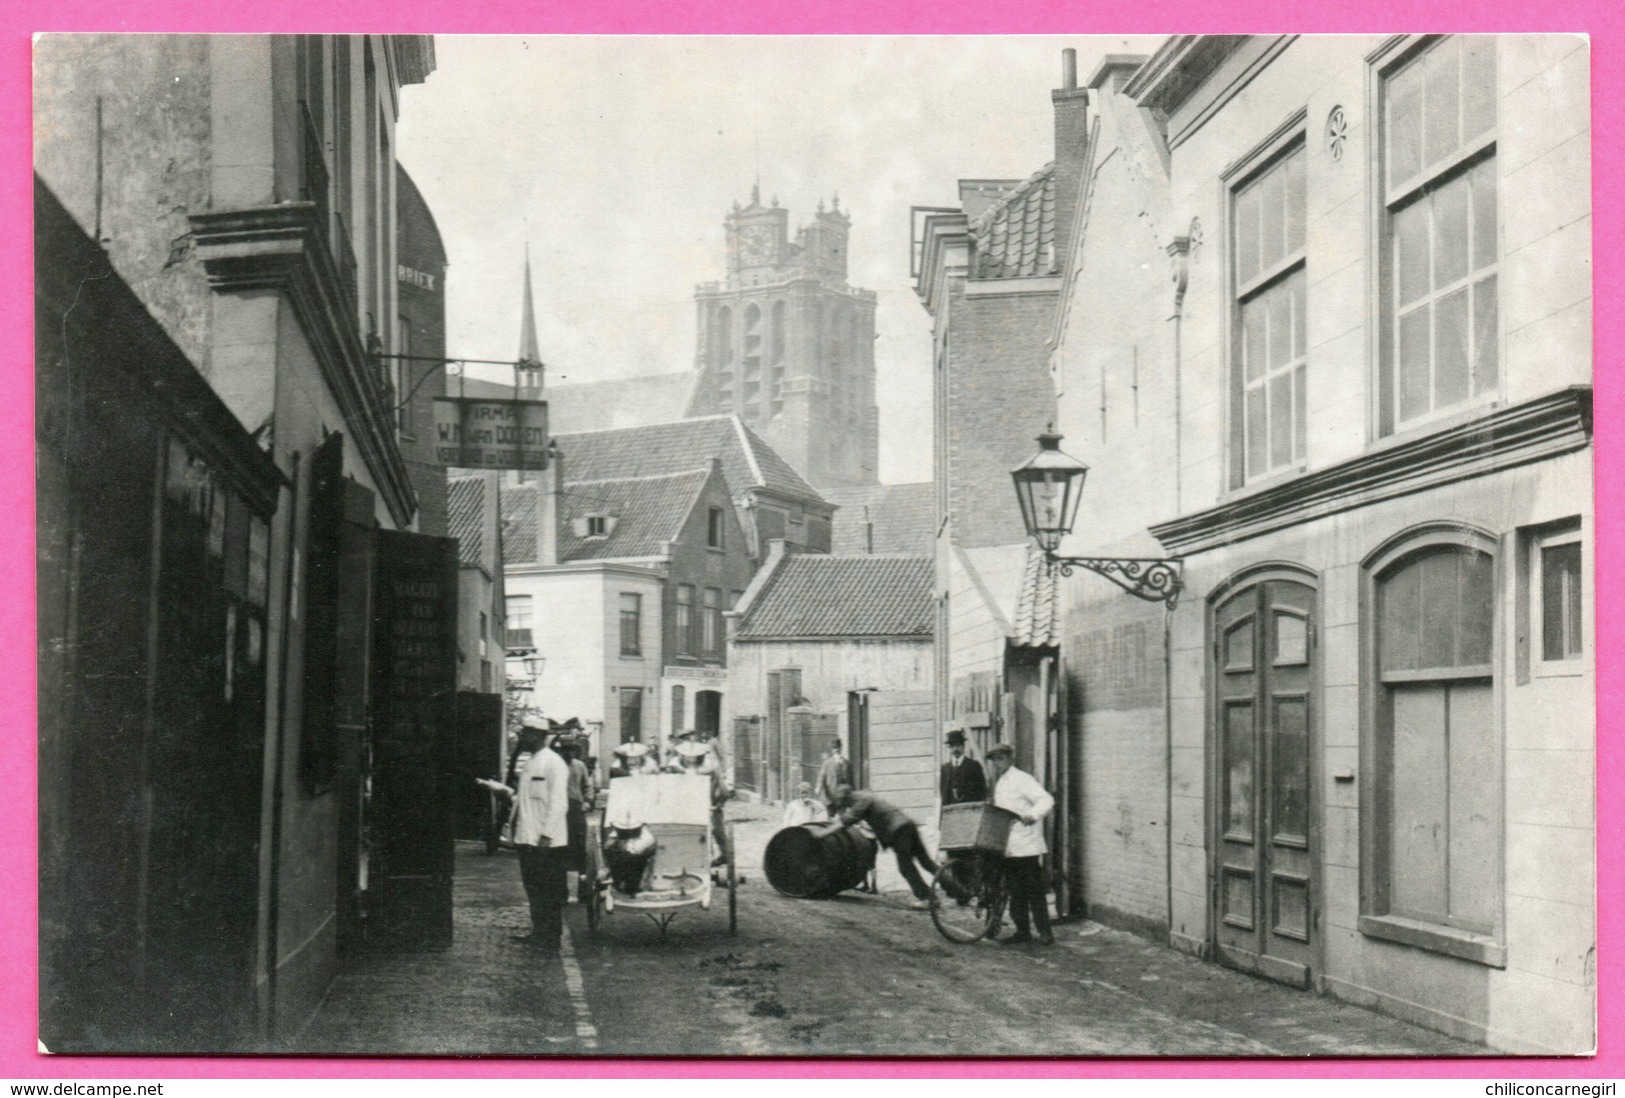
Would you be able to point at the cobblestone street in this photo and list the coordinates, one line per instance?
(860, 975)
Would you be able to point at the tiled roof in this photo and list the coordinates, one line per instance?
(465, 505)
(519, 524)
(659, 448)
(1038, 618)
(838, 597)
(902, 518)
(1015, 238)
(648, 512)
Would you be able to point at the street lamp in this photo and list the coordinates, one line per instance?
(1049, 486)
(533, 666)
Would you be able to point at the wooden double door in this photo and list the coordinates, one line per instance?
(1265, 877)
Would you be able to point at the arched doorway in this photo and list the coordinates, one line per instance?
(1265, 808)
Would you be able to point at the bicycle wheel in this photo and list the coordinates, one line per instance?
(966, 901)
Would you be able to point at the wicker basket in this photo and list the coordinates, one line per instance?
(975, 826)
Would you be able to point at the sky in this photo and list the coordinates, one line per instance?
(615, 160)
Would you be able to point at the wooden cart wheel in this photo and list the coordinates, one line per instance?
(733, 886)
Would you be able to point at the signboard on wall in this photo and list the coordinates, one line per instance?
(411, 811)
(476, 433)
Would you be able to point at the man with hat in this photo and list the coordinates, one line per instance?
(1019, 792)
(963, 780)
(541, 833)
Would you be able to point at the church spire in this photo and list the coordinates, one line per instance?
(528, 370)
(529, 353)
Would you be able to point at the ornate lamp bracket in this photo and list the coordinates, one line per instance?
(1151, 580)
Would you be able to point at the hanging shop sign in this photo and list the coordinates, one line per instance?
(473, 433)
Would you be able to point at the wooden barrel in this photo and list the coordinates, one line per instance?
(818, 860)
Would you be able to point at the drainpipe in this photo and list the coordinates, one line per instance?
(1179, 252)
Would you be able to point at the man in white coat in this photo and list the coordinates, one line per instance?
(541, 835)
(1019, 792)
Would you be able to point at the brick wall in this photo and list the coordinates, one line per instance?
(999, 397)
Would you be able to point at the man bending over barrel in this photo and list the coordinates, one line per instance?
(894, 830)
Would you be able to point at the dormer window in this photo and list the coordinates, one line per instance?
(594, 526)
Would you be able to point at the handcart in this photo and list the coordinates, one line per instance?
(654, 851)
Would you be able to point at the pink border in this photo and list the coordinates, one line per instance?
(18, 851)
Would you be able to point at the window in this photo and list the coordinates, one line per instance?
(598, 526)
(712, 622)
(1556, 586)
(684, 623)
(631, 713)
(1268, 400)
(715, 532)
(519, 622)
(484, 633)
(1433, 843)
(631, 625)
(1441, 227)
(677, 697)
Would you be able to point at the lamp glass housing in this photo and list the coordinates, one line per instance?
(1049, 487)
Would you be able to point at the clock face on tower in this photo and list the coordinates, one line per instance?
(756, 246)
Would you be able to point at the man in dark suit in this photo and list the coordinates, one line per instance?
(962, 777)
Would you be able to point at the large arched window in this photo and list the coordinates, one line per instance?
(1433, 756)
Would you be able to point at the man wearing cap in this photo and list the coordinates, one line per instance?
(893, 829)
(542, 835)
(963, 780)
(1019, 792)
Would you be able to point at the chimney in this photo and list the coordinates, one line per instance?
(550, 508)
(1071, 142)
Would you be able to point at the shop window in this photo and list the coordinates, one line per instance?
(1433, 818)
(1440, 226)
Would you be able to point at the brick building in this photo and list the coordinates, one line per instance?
(989, 273)
(1306, 347)
(788, 347)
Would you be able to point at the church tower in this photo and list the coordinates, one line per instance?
(789, 347)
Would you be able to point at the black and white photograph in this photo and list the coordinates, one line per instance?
(815, 547)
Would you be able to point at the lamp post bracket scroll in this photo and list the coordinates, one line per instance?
(1049, 487)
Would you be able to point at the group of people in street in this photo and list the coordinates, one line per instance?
(963, 780)
(551, 791)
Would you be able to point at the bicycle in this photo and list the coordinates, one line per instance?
(968, 896)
